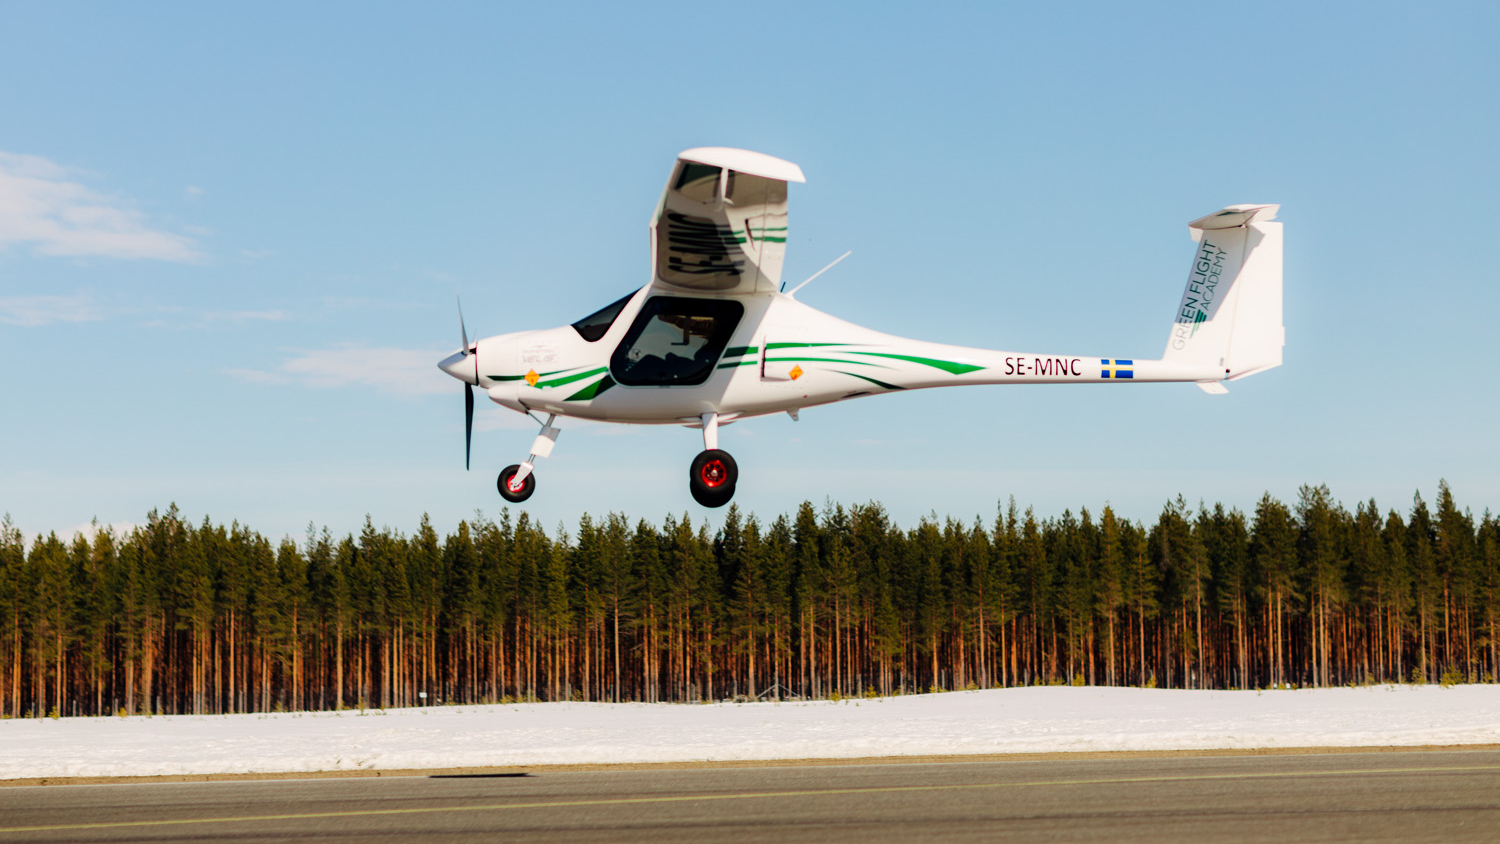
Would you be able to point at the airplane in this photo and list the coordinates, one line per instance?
(713, 339)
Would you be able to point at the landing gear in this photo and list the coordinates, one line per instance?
(513, 491)
(712, 476)
(517, 482)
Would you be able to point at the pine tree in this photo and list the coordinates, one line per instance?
(1273, 548)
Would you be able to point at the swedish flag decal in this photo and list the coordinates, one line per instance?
(1116, 368)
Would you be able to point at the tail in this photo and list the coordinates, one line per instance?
(1229, 320)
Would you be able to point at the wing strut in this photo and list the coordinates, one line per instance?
(820, 272)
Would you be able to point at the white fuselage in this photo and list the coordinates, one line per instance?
(782, 355)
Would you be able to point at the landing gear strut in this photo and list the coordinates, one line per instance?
(712, 476)
(517, 481)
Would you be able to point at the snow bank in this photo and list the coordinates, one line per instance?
(1026, 720)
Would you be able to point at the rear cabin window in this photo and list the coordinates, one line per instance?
(675, 341)
(597, 324)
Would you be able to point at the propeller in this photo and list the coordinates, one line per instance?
(468, 388)
(468, 422)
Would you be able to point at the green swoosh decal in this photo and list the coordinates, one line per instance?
(568, 379)
(824, 360)
(522, 377)
(945, 365)
(593, 390)
(873, 381)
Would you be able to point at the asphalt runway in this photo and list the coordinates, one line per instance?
(1449, 796)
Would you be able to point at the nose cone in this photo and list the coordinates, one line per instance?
(464, 367)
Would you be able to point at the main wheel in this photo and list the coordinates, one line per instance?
(511, 492)
(712, 477)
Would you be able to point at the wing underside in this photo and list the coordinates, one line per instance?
(721, 224)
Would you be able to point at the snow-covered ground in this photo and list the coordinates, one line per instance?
(1025, 720)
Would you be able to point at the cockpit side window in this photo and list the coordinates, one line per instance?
(675, 341)
(597, 324)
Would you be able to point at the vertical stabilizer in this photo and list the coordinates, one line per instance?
(1229, 319)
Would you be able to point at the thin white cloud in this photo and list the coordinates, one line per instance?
(41, 206)
(258, 376)
(43, 310)
(246, 316)
(408, 372)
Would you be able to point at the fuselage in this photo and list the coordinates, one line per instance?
(746, 355)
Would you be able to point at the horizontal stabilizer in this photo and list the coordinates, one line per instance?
(1232, 217)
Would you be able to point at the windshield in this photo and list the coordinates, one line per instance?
(597, 324)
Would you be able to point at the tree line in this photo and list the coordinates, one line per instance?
(174, 617)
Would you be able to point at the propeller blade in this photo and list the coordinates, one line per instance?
(464, 332)
(468, 423)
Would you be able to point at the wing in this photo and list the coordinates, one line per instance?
(721, 223)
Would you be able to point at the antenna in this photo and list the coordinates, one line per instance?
(820, 272)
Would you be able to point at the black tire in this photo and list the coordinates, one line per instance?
(502, 483)
(712, 498)
(712, 478)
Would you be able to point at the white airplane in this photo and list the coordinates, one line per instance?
(712, 339)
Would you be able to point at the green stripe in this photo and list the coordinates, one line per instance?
(750, 362)
(736, 351)
(770, 346)
(593, 390)
(823, 360)
(523, 377)
(568, 379)
(945, 365)
(873, 381)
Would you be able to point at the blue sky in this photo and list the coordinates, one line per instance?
(231, 236)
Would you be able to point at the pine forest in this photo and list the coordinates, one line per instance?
(176, 617)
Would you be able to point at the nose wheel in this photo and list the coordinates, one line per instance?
(712, 476)
(513, 489)
(517, 482)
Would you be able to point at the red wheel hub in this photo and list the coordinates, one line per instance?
(514, 485)
(713, 474)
